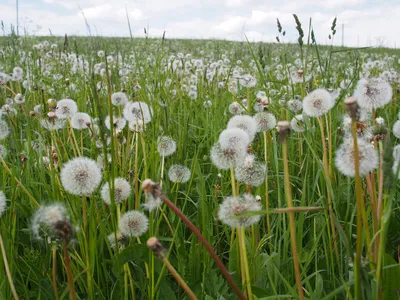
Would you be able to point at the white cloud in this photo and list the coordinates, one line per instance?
(225, 19)
(232, 24)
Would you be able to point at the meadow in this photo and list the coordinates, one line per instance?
(143, 168)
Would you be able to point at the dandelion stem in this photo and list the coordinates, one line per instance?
(291, 219)
(178, 278)
(54, 271)
(359, 199)
(201, 238)
(70, 279)
(327, 178)
(6, 267)
(136, 168)
(266, 185)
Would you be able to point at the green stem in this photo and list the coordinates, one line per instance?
(292, 224)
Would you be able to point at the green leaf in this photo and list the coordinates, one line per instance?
(136, 253)
(391, 277)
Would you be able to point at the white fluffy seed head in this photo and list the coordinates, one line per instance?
(294, 105)
(122, 190)
(19, 99)
(251, 171)
(137, 111)
(66, 108)
(80, 176)
(235, 108)
(3, 203)
(396, 152)
(4, 131)
(133, 223)
(118, 123)
(345, 162)
(80, 120)
(116, 240)
(233, 138)
(53, 123)
(3, 151)
(246, 123)
(227, 158)
(119, 98)
(265, 121)
(297, 124)
(396, 129)
(233, 207)
(317, 103)
(373, 93)
(46, 218)
(179, 173)
(166, 146)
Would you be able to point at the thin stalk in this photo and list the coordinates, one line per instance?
(357, 262)
(209, 248)
(8, 273)
(327, 178)
(291, 220)
(266, 185)
(162, 170)
(70, 279)
(54, 271)
(177, 277)
(33, 200)
(242, 247)
(136, 168)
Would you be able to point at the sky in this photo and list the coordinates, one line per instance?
(365, 22)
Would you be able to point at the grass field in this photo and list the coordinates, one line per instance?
(306, 213)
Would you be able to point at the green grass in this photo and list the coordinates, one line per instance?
(195, 129)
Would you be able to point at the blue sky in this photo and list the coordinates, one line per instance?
(366, 22)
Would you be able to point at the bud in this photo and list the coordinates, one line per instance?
(352, 107)
(283, 129)
(154, 244)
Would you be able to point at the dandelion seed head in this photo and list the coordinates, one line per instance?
(294, 105)
(4, 131)
(119, 98)
(3, 203)
(137, 111)
(179, 173)
(380, 121)
(396, 129)
(251, 171)
(247, 81)
(3, 151)
(317, 103)
(344, 157)
(233, 138)
(373, 93)
(118, 123)
(265, 121)
(297, 124)
(122, 190)
(53, 123)
(235, 108)
(133, 223)
(66, 108)
(46, 218)
(246, 123)
(80, 176)
(116, 240)
(227, 158)
(233, 207)
(80, 120)
(166, 146)
(19, 99)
